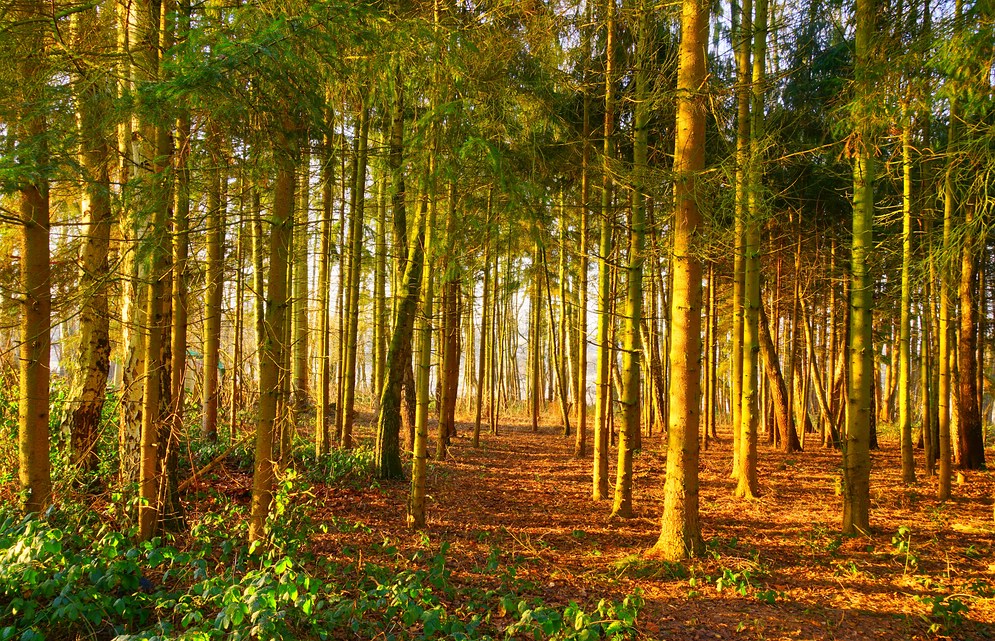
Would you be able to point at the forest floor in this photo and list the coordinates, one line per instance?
(522, 501)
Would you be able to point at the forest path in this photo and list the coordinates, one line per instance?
(522, 500)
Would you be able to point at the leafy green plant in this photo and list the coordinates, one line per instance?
(739, 582)
(901, 544)
(946, 612)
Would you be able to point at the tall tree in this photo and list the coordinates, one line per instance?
(750, 406)
(602, 408)
(357, 210)
(153, 35)
(857, 458)
(92, 360)
(272, 349)
(215, 278)
(680, 533)
(632, 347)
(32, 157)
(905, 320)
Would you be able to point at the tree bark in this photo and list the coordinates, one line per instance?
(272, 350)
(680, 535)
(602, 408)
(856, 457)
(778, 387)
(92, 359)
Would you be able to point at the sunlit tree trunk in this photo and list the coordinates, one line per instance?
(380, 321)
(323, 437)
(180, 287)
(423, 360)
(680, 534)
(272, 349)
(236, 400)
(215, 281)
(905, 321)
(92, 359)
(355, 267)
(485, 328)
(583, 262)
(132, 226)
(602, 408)
(778, 388)
(945, 334)
(535, 336)
(970, 433)
(152, 38)
(387, 455)
(300, 383)
(31, 152)
(856, 457)
(561, 331)
(632, 344)
(744, 78)
(751, 407)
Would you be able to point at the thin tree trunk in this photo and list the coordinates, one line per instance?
(751, 407)
(150, 40)
(215, 282)
(355, 269)
(778, 388)
(449, 370)
(905, 328)
(301, 293)
(272, 349)
(583, 264)
(380, 321)
(485, 322)
(856, 457)
(387, 456)
(323, 437)
(743, 81)
(423, 357)
(602, 408)
(632, 347)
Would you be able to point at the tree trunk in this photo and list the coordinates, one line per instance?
(323, 437)
(485, 320)
(423, 358)
(92, 359)
(945, 334)
(632, 345)
(743, 81)
(215, 282)
(602, 408)
(680, 535)
(387, 456)
(150, 40)
(751, 406)
(905, 321)
(970, 433)
(449, 371)
(34, 468)
(583, 264)
(856, 457)
(355, 270)
(778, 387)
(272, 349)
(380, 321)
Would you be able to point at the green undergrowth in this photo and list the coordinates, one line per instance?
(71, 575)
